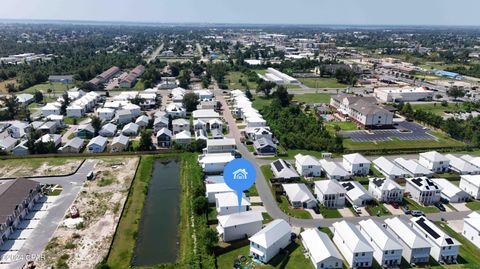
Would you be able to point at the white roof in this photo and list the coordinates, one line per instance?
(306, 160)
(379, 235)
(329, 186)
(180, 122)
(355, 191)
(217, 188)
(205, 113)
(461, 165)
(405, 233)
(230, 199)
(472, 179)
(473, 160)
(183, 135)
(221, 142)
(389, 167)
(319, 245)
(413, 167)
(241, 218)
(333, 168)
(474, 220)
(356, 158)
(423, 183)
(105, 110)
(273, 232)
(448, 188)
(282, 169)
(434, 156)
(352, 236)
(217, 158)
(298, 192)
(433, 232)
(385, 184)
(98, 140)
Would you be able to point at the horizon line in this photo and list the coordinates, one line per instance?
(119, 22)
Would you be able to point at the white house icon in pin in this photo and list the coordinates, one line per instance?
(240, 174)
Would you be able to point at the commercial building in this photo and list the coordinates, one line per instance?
(396, 95)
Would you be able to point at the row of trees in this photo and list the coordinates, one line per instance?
(296, 130)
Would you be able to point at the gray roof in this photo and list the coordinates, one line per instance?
(76, 142)
(263, 142)
(12, 194)
(99, 140)
(164, 131)
(109, 127)
(7, 142)
(121, 139)
(87, 127)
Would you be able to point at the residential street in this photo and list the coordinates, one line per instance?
(270, 203)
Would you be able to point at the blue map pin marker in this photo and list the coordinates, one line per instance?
(239, 175)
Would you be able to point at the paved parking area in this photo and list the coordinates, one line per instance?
(403, 131)
(460, 206)
(363, 212)
(394, 211)
(346, 212)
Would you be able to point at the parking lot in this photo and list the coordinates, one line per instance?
(403, 131)
(9, 249)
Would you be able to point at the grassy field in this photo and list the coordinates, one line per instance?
(3, 85)
(437, 108)
(267, 172)
(313, 98)
(124, 241)
(322, 83)
(295, 260)
(139, 86)
(377, 210)
(56, 88)
(260, 71)
(443, 142)
(260, 102)
(344, 126)
(330, 213)
(232, 79)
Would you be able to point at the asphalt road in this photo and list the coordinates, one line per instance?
(271, 206)
(40, 236)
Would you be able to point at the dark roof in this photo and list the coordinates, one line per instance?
(13, 193)
(378, 181)
(426, 228)
(348, 186)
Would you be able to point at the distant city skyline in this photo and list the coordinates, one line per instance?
(312, 12)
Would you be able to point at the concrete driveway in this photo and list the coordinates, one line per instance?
(460, 206)
(394, 211)
(346, 212)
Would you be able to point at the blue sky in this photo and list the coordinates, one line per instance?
(404, 12)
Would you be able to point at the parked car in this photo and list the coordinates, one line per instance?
(417, 213)
(357, 209)
(440, 206)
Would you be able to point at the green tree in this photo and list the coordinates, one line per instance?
(200, 205)
(282, 95)
(210, 239)
(146, 142)
(96, 124)
(38, 96)
(190, 101)
(249, 95)
(456, 92)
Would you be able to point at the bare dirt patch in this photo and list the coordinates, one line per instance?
(100, 202)
(37, 167)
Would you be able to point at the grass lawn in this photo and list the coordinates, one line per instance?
(296, 213)
(468, 251)
(266, 218)
(322, 83)
(413, 205)
(252, 191)
(260, 102)
(377, 210)
(212, 213)
(343, 125)
(437, 108)
(267, 172)
(56, 88)
(295, 260)
(70, 121)
(443, 142)
(232, 79)
(250, 148)
(474, 205)
(313, 98)
(260, 71)
(330, 213)
(139, 86)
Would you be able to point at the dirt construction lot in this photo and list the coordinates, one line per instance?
(37, 167)
(84, 241)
